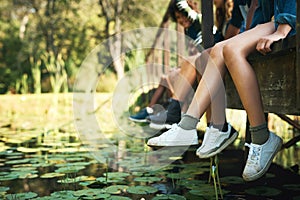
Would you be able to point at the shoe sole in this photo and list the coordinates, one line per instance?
(159, 126)
(226, 144)
(265, 169)
(138, 120)
(178, 143)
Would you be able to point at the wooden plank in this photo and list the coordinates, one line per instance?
(277, 79)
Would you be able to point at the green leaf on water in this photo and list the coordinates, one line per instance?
(13, 162)
(179, 175)
(263, 191)
(192, 184)
(118, 198)
(168, 196)
(116, 174)
(293, 187)
(232, 180)
(52, 175)
(110, 180)
(141, 189)
(148, 179)
(205, 190)
(4, 189)
(9, 177)
(65, 194)
(116, 189)
(72, 180)
(27, 195)
(69, 169)
(91, 193)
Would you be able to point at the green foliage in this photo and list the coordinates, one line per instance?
(107, 82)
(68, 30)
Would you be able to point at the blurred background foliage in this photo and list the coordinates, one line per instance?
(43, 42)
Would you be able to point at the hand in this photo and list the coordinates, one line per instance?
(183, 6)
(264, 44)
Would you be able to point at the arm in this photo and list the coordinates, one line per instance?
(253, 6)
(231, 31)
(264, 44)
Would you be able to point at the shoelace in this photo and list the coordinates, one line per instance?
(254, 154)
(171, 131)
(213, 135)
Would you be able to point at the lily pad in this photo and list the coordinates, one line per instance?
(4, 189)
(232, 180)
(293, 187)
(9, 177)
(27, 195)
(118, 198)
(92, 193)
(263, 191)
(19, 161)
(117, 174)
(179, 175)
(168, 196)
(116, 189)
(72, 180)
(110, 180)
(69, 169)
(65, 194)
(148, 179)
(141, 189)
(192, 184)
(52, 175)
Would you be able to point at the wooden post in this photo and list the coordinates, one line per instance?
(298, 56)
(207, 23)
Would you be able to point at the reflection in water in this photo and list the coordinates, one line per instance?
(44, 140)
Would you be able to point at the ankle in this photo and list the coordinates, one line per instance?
(188, 122)
(259, 134)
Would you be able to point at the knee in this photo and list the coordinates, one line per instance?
(216, 50)
(230, 52)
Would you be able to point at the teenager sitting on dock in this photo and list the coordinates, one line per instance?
(233, 52)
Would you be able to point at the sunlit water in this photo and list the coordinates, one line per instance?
(41, 152)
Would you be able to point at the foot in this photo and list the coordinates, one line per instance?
(260, 157)
(176, 136)
(164, 119)
(142, 115)
(216, 141)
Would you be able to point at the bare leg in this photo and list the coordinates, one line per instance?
(210, 84)
(242, 73)
(184, 81)
(157, 95)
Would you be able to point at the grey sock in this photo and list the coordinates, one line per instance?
(188, 122)
(259, 134)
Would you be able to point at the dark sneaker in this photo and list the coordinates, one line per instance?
(260, 157)
(216, 141)
(141, 116)
(165, 119)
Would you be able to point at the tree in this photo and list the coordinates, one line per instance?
(121, 15)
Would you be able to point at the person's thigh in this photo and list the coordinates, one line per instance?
(245, 42)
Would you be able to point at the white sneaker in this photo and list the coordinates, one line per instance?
(176, 136)
(159, 126)
(260, 157)
(215, 141)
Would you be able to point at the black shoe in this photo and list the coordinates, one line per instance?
(165, 119)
